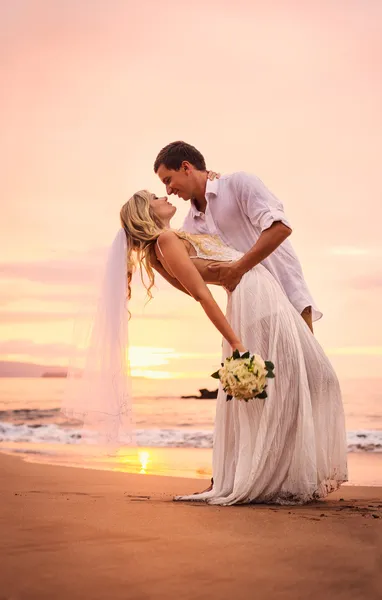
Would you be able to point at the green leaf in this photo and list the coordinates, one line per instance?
(229, 397)
(245, 355)
(216, 375)
(236, 354)
(271, 375)
(236, 377)
(263, 395)
(269, 365)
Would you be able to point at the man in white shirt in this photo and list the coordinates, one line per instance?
(244, 214)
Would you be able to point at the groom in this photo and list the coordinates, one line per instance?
(244, 214)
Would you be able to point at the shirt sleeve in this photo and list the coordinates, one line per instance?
(258, 203)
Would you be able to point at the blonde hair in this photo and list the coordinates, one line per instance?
(142, 228)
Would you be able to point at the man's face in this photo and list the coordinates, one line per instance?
(178, 182)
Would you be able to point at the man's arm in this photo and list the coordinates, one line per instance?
(269, 240)
(267, 214)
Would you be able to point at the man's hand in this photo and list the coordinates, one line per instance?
(229, 274)
(211, 175)
(307, 316)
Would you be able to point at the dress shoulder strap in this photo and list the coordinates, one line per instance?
(159, 248)
(163, 261)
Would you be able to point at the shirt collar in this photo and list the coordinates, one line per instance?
(211, 189)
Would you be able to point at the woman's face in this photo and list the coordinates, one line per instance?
(163, 209)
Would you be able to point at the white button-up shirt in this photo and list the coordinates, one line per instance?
(239, 208)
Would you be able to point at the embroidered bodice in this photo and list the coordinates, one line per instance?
(210, 247)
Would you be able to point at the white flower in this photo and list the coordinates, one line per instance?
(244, 378)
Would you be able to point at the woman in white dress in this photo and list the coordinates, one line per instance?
(291, 447)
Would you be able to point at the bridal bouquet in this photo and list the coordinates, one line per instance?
(244, 376)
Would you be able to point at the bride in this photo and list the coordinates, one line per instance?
(287, 449)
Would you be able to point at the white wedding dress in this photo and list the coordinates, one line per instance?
(291, 447)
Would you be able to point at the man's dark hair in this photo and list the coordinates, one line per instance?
(172, 156)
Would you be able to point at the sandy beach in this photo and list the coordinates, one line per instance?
(78, 533)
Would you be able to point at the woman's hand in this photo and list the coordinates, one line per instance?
(211, 175)
(238, 346)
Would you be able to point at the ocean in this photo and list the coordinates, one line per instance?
(173, 435)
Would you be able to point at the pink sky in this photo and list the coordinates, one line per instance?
(91, 92)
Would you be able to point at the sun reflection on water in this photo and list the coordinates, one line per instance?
(175, 462)
(144, 459)
(134, 460)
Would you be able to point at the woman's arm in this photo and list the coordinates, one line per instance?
(183, 269)
(165, 274)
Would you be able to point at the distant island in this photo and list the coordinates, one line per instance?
(22, 369)
(10, 369)
(204, 394)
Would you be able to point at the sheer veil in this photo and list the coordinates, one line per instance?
(98, 390)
